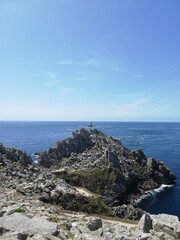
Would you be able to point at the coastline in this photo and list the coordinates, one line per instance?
(152, 193)
(87, 172)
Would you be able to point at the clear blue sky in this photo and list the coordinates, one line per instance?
(111, 60)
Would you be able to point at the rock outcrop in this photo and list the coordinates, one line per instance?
(162, 226)
(78, 143)
(22, 226)
(32, 220)
(9, 155)
(104, 166)
(88, 173)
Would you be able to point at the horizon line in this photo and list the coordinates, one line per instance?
(114, 121)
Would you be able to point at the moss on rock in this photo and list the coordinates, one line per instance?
(81, 203)
(95, 180)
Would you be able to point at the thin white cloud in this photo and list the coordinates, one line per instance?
(114, 69)
(33, 75)
(127, 109)
(65, 90)
(35, 63)
(87, 76)
(146, 108)
(52, 79)
(81, 79)
(120, 95)
(50, 75)
(57, 85)
(84, 62)
(52, 83)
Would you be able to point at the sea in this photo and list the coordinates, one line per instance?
(157, 139)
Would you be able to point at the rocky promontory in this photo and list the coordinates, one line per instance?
(88, 173)
(104, 166)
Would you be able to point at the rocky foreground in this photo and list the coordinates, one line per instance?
(78, 190)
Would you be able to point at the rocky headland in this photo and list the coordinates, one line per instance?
(85, 187)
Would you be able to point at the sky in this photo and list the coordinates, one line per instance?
(97, 60)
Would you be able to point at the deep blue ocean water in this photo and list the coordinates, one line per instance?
(159, 140)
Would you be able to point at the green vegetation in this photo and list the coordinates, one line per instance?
(19, 210)
(69, 235)
(96, 180)
(53, 219)
(80, 203)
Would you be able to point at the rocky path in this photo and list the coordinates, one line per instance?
(31, 219)
(27, 218)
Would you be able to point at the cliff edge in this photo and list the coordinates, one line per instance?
(104, 166)
(88, 173)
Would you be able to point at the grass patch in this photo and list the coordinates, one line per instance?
(81, 203)
(68, 234)
(96, 180)
(19, 210)
(53, 219)
(117, 219)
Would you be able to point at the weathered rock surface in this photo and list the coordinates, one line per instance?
(104, 166)
(13, 155)
(162, 226)
(88, 172)
(94, 224)
(78, 143)
(33, 220)
(128, 212)
(18, 222)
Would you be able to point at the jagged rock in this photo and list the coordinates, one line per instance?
(113, 159)
(89, 156)
(14, 155)
(78, 226)
(128, 212)
(159, 172)
(94, 224)
(145, 223)
(168, 224)
(45, 198)
(87, 236)
(79, 142)
(22, 236)
(88, 172)
(2, 213)
(74, 199)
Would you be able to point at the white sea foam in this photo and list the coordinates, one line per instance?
(161, 188)
(35, 157)
(154, 192)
